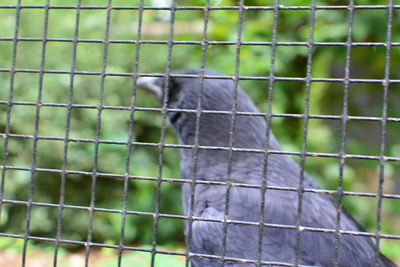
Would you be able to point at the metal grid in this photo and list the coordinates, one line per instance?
(344, 118)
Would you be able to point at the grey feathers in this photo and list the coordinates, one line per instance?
(278, 244)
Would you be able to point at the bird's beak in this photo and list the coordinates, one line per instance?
(149, 84)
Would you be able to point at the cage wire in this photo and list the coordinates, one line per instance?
(12, 99)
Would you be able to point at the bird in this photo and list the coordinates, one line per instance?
(222, 156)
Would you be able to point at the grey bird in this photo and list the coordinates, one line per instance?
(241, 244)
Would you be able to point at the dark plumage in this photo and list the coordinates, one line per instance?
(278, 244)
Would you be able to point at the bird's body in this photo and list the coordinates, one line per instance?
(279, 243)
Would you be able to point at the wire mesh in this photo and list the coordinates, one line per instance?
(93, 168)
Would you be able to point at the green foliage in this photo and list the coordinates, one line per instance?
(326, 98)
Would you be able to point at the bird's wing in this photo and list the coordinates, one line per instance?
(206, 238)
(278, 243)
(209, 237)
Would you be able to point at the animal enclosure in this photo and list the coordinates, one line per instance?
(90, 165)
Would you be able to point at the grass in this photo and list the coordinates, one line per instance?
(43, 256)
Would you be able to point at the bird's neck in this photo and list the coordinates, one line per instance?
(221, 132)
(214, 143)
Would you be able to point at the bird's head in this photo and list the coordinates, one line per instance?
(216, 95)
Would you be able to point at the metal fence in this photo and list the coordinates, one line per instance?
(19, 144)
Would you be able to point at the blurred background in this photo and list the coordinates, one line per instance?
(326, 98)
